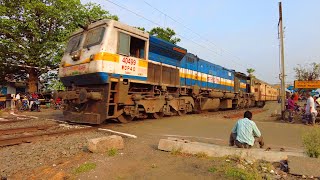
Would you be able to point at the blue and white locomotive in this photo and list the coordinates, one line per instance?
(114, 71)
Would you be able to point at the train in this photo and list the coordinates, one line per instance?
(114, 71)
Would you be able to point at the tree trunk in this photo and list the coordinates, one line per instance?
(33, 80)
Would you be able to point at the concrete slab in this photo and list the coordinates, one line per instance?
(213, 150)
(304, 166)
(103, 144)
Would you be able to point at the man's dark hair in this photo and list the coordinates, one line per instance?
(247, 114)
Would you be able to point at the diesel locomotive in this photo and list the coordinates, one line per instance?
(115, 71)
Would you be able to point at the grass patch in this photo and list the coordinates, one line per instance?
(201, 155)
(212, 169)
(112, 152)
(242, 174)
(86, 167)
(176, 151)
(311, 142)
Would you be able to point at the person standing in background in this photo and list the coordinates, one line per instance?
(311, 111)
(291, 108)
(296, 97)
(18, 101)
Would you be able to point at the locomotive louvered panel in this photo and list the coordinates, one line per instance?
(166, 75)
(157, 73)
(151, 72)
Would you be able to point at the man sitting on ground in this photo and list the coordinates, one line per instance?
(245, 133)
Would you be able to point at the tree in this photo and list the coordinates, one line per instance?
(141, 28)
(250, 71)
(51, 82)
(34, 33)
(165, 34)
(308, 72)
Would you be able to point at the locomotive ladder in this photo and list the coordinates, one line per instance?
(112, 97)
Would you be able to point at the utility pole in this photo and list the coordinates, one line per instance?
(282, 75)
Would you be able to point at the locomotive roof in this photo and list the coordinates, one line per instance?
(166, 48)
(117, 24)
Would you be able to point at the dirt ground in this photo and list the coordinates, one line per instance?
(59, 158)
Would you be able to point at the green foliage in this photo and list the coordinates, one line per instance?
(250, 71)
(112, 152)
(141, 28)
(242, 174)
(34, 33)
(212, 169)
(308, 71)
(51, 81)
(176, 151)
(56, 85)
(311, 142)
(86, 167)
(165, 34)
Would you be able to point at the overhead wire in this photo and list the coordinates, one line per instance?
(123, 7)
(153, 22)
(199, 35)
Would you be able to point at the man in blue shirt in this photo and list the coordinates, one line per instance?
(245, 133)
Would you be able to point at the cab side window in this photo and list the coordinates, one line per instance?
(131, 46)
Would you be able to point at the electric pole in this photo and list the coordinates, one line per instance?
(283, 84)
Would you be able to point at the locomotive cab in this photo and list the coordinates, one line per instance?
(104, 47)
(97, 58)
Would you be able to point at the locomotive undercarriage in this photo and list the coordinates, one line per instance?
(125, 101)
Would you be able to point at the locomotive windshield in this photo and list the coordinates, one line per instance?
(74, 43)
(94, 37)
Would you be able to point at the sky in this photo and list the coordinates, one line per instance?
(232, 33)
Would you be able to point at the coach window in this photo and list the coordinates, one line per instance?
(131, 46)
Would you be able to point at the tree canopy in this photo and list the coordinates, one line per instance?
(165, 34)
(308, 72)
(250, 71)
(34, 34)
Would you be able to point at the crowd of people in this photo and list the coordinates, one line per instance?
(308, 112)
(245, 132)
(27, 101)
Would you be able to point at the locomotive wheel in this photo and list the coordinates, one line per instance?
(125, 118)
(182, 112)
(157, 115)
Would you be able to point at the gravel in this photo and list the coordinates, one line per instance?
(45, 152)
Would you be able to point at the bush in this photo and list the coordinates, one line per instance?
(311, 142)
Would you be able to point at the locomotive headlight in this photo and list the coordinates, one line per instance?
(91, 57)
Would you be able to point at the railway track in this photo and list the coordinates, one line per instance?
(24, 129)
(32, 138)
(10, 120)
